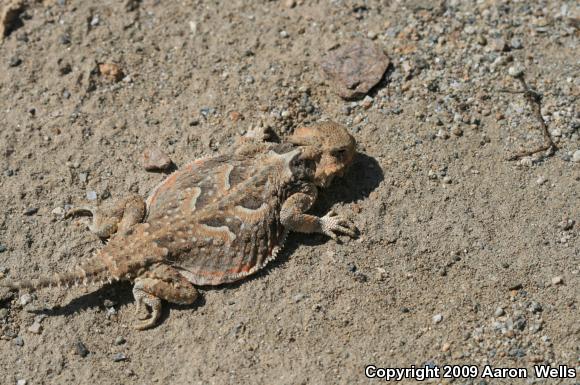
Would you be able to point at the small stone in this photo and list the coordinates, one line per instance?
(64, 39)
(447, 179)
(405, 310)
(516, 70)
(558, 280)
(2, 248)
(111, 72)
(3, 314)
(576, 156)
(355, 68)
(284, 34)
(298, 297)
(81, 349)
(514, 285)
(372, 35)
(535, 307)
(290, 3)
(235, 116)
(154, 159)
(21, 382)
(120, 340)
(457, 131)
(437, 318)
(91, 195)
(499, 312)
(367, 102)
(31, 211)
(66, 94)
(119, 357)
(541, 180)
(83, 176)
(442, 134)
(108, 303)
(58, 211)
(14, 61)
(445, 347)
(19, 341)
(516, 43)
(35, 328)
(566, 224)
(25, 299)
(499, 45)
(95, 21)
(516, 352)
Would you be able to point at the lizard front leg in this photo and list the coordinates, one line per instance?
(109, 220)
(293, 216)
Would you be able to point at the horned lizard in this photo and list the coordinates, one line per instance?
(215, 220)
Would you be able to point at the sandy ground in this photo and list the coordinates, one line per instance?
(464, 257)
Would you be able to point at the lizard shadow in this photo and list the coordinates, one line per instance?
(363, 177)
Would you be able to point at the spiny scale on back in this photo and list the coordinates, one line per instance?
(216, 220)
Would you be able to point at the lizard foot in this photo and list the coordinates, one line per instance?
(332, 223)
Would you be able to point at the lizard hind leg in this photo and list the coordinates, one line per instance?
(119, 217)
(161, 282)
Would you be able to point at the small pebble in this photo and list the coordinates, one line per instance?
(3, 313)
(64, 39)
(2, 248)
(541, 180)
(119, 357)
(120, 340)
(25, 299)
(298, 297)
(108, 303)
(516, 43)
(516, 70)
(35, 328)
(457, 131)
(437, 318)
(576, 156)
(21, 382)
(111, 72)
(58, 211)
(499, 312)
(95, 21)
(367, 102)
(83, 176)
(19, 341)
(284, 34)
(31, 211)
(81, 349)
(447, 179)
(442, 134)
(91, 195)
(14, 62)
(535, 307)
(558, 280)
(154, 159)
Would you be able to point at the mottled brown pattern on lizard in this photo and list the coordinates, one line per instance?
(216, 220)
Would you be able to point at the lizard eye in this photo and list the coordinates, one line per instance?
(339, 154)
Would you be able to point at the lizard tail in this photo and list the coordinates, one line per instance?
(91, 271)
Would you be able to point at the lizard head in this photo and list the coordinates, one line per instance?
(330, 145)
